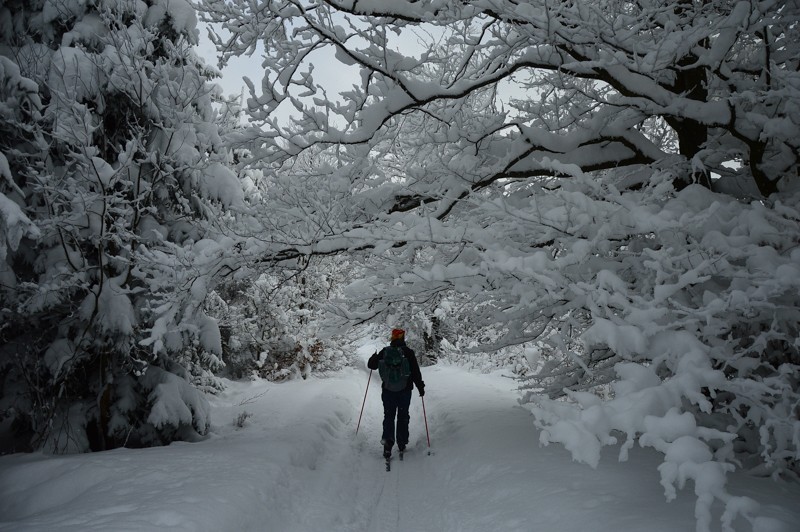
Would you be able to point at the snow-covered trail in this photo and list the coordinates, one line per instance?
(298, 466)
(488, 472)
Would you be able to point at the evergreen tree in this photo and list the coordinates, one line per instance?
(114, 156)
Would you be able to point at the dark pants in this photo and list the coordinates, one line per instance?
(396, 403)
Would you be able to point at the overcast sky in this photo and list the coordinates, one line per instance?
(328, 72)
(333, 75)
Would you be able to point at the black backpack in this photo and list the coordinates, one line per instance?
(394, 369)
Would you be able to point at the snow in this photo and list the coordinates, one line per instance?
(210, 337)
(5, 173)
(182, 16)
(74, 74)
(118, 314)
(621, 338)
(218, 182)
(297, 464)
(102, 170)
(59, 353)
(174, 400)
(14, 225)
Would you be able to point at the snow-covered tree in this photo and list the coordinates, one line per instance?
(718, 73)
(611, 179)
(117, 177)
(269, 322)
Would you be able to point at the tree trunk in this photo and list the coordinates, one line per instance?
(691, 82)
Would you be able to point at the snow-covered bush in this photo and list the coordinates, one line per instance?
(693, 326)
(269, 325)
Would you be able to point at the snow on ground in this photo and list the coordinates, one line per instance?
(297, 465)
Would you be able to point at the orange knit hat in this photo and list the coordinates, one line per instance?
(398, 334)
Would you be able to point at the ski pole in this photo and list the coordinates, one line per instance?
(425, 415)
(363, 403)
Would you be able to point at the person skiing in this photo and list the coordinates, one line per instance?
(400, 372)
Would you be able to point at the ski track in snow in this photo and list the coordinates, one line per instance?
(298, 466)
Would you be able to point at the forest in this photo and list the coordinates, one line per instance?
(601, 195)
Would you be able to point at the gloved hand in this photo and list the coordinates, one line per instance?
(373, 362)
(421, 389)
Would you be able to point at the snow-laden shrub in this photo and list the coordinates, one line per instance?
(269, 328)
(694, 323)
